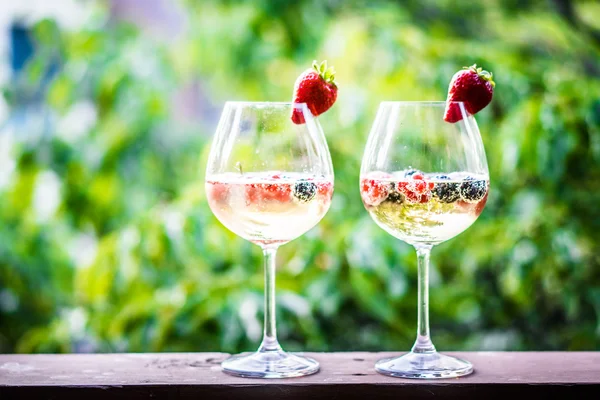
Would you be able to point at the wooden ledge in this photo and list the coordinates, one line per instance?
(342, 376)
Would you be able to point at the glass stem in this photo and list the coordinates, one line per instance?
(269, 342)
(423, 343)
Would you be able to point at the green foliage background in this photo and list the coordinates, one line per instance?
(130, 258)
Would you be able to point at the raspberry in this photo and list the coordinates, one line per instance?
(325, 189)
(412, 197)
(253, 194)
(278, 192)
(417, 189)
(218, 191)
(257, 192)
(374, 192)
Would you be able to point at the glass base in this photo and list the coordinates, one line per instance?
(431, 365)
(269, 364)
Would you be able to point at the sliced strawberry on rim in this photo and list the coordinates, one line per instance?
(473, 87)
(317, 88)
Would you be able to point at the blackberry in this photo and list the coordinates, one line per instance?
(304, 191)
(472, 190)
(395, 196)
(446, 192)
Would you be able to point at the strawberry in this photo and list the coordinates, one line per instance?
(471, 85)
(317, 88)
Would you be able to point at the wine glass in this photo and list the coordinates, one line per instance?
(269, 181)
(424, 181)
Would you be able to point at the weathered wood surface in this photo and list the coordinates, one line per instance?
(342, 376)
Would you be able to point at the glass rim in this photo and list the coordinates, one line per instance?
(419, 103)
(265, 103)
